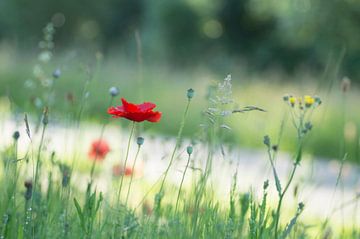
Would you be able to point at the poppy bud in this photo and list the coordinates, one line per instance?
(189, 149)
(16, 135)
(286, 98)
(267, 140)
(114, 91)
(190, 93)
(266, 184)
(57, 73)
(140, 141)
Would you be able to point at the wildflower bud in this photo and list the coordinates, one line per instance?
(189, 149)
(301, 206)
(16, 135)
(114, 91)
(317, 100)
(140, 141)
(190, 93)
(57, 73)
(292, 100)
(28, 184)
(275, 147)
(308, 126)
(266, 184)
(45, 119)
(267, 140)
(286, 98)
(28, 193)
(345, 84)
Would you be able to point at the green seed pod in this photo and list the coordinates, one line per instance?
(16, 135)
(140, 141)
(189, 149)
(114, 91)
(190, 93)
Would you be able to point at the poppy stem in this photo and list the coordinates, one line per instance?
(132, 175)
(96, 155)
(182, 181)
(126, 159)
(176, 146)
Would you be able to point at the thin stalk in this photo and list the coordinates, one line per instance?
(178, 138)
(39, 156)
(147, 193)
(101, 137)
(132, 175)
(281, 199)
(200, 189)
(37, 172)
(282, 194)
(182, 181)
(126, 159)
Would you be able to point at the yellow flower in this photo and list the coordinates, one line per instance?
(309, 101)
(292, 100)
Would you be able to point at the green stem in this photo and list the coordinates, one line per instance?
(182, 181)
(101, 137)
(132, 175)
(282, 194)
(178, 138)
(37, 168)
(126, 159)
(39, 156)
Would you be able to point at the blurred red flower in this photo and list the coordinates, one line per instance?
(135, 112)
(99, 149)
(119, 170)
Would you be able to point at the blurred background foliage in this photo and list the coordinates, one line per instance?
(285, 34)
(270, 47)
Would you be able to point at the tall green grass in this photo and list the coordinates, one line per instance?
(47, 203)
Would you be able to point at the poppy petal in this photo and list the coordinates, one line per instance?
(155, 117)
(146, 106)
(129, 107)
(134, 112)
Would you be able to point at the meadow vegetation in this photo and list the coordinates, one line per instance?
(45, 195)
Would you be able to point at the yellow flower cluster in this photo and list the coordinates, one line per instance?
(307, 100)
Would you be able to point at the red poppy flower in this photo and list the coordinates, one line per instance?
(134, 112)
(99, 149)
(119, 170)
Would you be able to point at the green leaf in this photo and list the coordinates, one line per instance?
(80, 214)
(277, 182)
